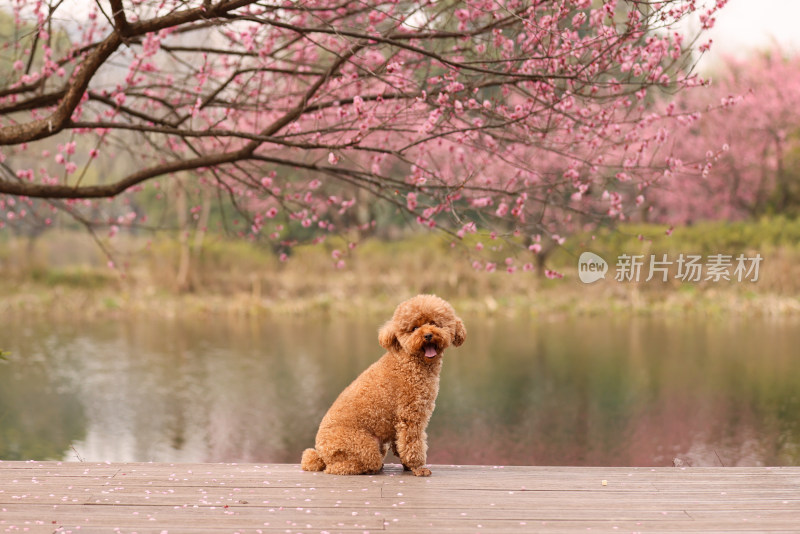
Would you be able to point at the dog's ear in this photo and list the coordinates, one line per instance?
(387, 337)
(460, 333)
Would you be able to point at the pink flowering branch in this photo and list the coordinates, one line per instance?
(534, 117)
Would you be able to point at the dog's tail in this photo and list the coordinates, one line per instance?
(311, 461)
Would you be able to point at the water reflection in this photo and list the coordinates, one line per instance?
(590, 391)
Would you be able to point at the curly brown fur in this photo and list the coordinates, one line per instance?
(389, 404)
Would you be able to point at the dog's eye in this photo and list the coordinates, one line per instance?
(414, 329)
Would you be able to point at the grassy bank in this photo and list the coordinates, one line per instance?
(66, 274)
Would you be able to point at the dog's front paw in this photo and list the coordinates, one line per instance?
(421, 471)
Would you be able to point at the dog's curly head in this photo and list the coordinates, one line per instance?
(423, 326)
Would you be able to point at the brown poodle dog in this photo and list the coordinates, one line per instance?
(390, 404)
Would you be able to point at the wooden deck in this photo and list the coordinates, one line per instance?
(54, 497)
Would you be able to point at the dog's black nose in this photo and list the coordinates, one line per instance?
(428, 337)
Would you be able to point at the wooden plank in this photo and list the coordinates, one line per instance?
(190, 516)
(13, 469)
(218, 469)
(548, 528)
(484, 527)
(195, 498)
(73, 513)
(58, 498)
(203, 497)
(388, 514)
(618, 501)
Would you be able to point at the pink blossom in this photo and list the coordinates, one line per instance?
(481, 202)
(411, 201)
(394, 66)
(470, 228)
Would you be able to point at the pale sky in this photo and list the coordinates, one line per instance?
(744, 25)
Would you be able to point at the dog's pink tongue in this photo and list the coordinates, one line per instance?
(430, 351)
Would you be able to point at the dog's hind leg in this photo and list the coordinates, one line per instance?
(311, 461)
(355, 452)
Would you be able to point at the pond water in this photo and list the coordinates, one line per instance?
(582, 391)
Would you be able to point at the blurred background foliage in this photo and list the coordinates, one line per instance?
(65, 271)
